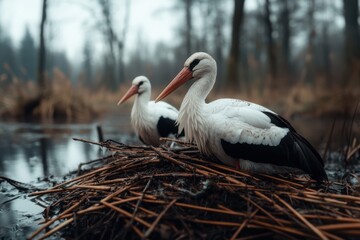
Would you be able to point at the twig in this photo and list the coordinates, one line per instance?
(47, 224)
(139, 201)
(9, 200)
(237, 232)
(307, 223)
(125, 213)
(116, 191)
(157, 220)
(57, 228)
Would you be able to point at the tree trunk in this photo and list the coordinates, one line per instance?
(219, 42)
(309, 63)
(87, 65)
(233, 61)
(271, 48)
(327, 69)
(352, 40)
(111, 63)
(42, 49)
(121, 42)
(188, 30)
(285, 38)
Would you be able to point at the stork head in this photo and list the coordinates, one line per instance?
(139, 85)
(196, 66)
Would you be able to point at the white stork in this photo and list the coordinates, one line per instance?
(239, 133)
(150, 120)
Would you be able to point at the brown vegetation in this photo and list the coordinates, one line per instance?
(300, 99)
(147, 192)
(60, 100)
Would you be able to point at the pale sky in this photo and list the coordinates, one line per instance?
(71, 22)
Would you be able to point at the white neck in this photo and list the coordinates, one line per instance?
(140, 110)
(191, 115)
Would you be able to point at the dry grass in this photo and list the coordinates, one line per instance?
(301, 99)
(60, 100)
(64, 100)
(146, 192)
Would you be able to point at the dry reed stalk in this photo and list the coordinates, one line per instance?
(147, 211)
(125, 213)
(136, 229)
(283, 229)
(139, 200)
(233, 237)
(147, 196)
(177, 193)
(48, 223)
(57, 228)
(151, 228)
(304, 220)
(263, 210)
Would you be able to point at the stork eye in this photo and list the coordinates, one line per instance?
(193, 64)
(140, 83)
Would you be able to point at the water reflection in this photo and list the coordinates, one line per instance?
(29, 151)
(19, 217)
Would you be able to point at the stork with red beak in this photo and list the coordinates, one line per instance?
(239, 133)
(150, 120)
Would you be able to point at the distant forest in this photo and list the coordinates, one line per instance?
(275, 44)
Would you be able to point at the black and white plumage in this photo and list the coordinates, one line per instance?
(239, 133)
(150, 120)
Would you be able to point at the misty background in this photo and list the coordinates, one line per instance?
(266, 48)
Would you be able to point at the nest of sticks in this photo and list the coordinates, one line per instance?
(141, 192)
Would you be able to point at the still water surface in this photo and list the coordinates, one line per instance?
(32, 151)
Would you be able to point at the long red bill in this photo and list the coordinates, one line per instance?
(132, 91)
(183, 76)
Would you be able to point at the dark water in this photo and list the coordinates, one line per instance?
(32, 151)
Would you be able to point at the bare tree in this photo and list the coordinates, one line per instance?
(233, 61)
(42, 48)
(218, 26)
(309, 57)
(212, 37)
(121, 44)
(285, 37)
(352, 39)
(110, 58)
(114, 66)
(28, 56)
(88, 64)
(271, 47)
(188, 21)
(326, 44)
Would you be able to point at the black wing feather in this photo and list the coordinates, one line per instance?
(140, 138)
(293, 151)
(279, 121)
(277, 155)
(166, 126)
(309, 159)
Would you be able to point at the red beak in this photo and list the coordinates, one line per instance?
(183, 76)
(132, 91)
